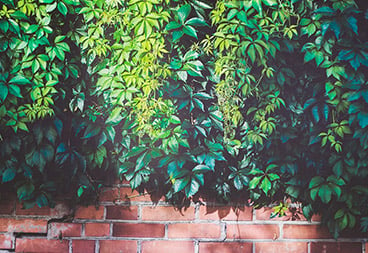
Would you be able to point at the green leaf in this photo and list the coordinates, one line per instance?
(15, 90)
(41, 200)
(270, 2)
(181, 183)
(115, 116)
(257, 4)
(193, 188)
(51, 7)
(254, 182)
(3, 92)
(201, 168)
(189, 30)
(183, 13)
(266, 185)
(316, 181)
(21, 80)
(173, 25)
(9, 174)
(177, 35)
(363, 119)
(91, 130)
(325, 193)
(196, 22)
(25, 191)
(62, 8)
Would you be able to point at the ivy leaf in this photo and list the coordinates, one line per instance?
(201, 168)
(266, 185)
(325, 193)
(9, 174)
(257, 4)
(181, 183)
(254, 182)
(21, 80)
(193, 188)
(183, 13)
(189, 30)
(3, 92)
(196, 22)
(173, 25)
(25, 191)
(41, 200)
(15, 90)
(62, 8)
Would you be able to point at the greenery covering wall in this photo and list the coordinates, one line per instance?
(259, 99)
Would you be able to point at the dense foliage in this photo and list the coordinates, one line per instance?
(258, 99)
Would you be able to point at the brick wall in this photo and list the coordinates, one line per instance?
(126, 222)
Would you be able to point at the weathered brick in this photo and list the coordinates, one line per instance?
(336, 247)
(285, 247)
(138, 230)
(305, 232)
(97, 229)
(6, 241)
(194, 230)
(167, 213)
(89, 212)
(109, 194)
(167, 246)
(7, 207)
(225, 213)
(60, 230)
(122, 212)
(43, 211)
(225, 247)
(109, 246)
(253, 231)
(23, 225)
(41, 245)
(60, 210)
(265, 214)
(83, 246)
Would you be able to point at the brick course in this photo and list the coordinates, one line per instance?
(124, 221)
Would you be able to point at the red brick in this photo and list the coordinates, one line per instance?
(254, 231)
(89, 212)
(23, 225)
(122, 212)
(110, 246)
(285, 247)
(126, 194)
(167, 246)
(109, 195)
(336, 247)
(41, 245)
(265, 214)
(7, 207)
(43, 211)
(228, 247)
(167, 213)
(138, 230)
(194, 230)
(97, 229)
(305, 232)
(57, 230)
(6, 241)
(83, 246)
(225, 213)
